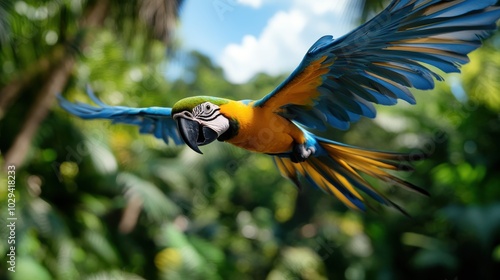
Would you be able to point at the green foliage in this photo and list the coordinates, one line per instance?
(101, 201)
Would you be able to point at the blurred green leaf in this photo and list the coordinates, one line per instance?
(29, 268)
(158, 206)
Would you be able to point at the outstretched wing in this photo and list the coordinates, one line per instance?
(154, 120)
(339, 80)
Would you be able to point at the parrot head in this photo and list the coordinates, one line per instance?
(199, 120)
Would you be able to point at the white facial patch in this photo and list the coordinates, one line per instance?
(209, 115)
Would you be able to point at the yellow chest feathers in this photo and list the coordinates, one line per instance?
(261, 130)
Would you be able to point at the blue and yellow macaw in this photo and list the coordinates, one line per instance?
(336, 83)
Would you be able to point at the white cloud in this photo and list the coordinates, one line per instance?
(285, 40)
(251, 3)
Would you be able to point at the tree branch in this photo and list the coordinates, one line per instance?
(9, 92)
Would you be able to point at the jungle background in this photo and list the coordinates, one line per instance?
(100, 201)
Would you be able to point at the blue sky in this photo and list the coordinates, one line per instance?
(246, 37)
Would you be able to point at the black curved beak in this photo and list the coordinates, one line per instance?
(190, 132)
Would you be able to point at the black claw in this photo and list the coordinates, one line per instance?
(300, 153)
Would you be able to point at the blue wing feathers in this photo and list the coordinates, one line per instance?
(380, 60)
(154, 120)
(93, 97)
(320, 43)
(457, 49)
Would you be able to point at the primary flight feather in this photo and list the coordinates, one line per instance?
(336, 83)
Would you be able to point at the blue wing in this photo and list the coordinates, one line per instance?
(154, 120)
(339, 80)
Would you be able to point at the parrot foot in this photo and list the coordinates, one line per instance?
(300, 153)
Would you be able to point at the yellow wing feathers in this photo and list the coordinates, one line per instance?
(302, 90)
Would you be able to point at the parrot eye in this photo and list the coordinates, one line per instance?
(205, 110)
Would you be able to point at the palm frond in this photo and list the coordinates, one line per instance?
(155, 203)
(161, 16)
